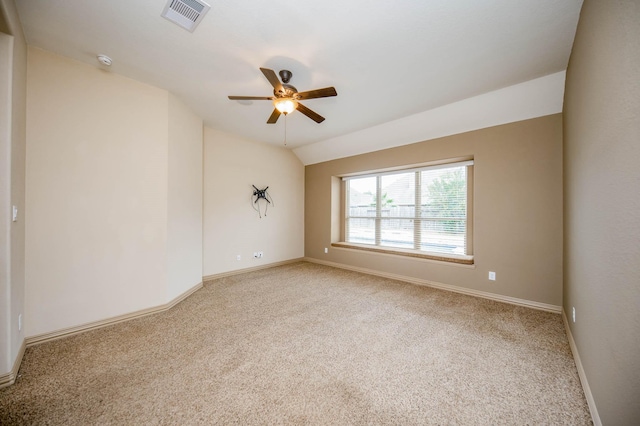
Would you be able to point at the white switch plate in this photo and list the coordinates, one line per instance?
(15, 213)
(492, 275)
(238, 257)
(326, 250)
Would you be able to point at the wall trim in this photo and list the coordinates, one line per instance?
(253, 268)
(54, 335)
(10, 378)
(448, 287)
(581, 373)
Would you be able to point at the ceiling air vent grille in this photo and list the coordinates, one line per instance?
(186, 13)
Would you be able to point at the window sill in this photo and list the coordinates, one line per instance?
(462, 260)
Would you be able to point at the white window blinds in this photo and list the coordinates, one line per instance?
(423, 209)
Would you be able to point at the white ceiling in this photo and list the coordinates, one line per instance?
(386, 59)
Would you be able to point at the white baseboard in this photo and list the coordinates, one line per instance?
(581, 373)
(418, 281)
(45, 337)
(10, 378)
(254, 268)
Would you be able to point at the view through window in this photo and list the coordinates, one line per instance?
(422, 209)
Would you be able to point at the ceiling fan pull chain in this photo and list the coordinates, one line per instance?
(285, 129)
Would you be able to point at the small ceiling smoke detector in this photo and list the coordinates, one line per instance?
(186, 13)
(105, 60)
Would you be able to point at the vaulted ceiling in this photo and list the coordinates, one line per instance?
(387, 59)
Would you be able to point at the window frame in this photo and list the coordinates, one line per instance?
(466, 259)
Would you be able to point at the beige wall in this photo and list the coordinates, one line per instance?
(231, 226)
(517, 210)
(12, 185)
(184, 210)
(602, 204)
(101, 198)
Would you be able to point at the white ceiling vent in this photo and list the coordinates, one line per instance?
(186, 13)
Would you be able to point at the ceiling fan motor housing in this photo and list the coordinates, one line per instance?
(288, 91)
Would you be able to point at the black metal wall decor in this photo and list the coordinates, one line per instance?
(261, 194)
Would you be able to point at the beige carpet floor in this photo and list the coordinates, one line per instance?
(308, 344)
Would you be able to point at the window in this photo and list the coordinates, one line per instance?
(425, 209)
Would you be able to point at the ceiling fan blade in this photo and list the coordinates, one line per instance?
(251, 98)
(274, 116)
(311, 114)
(318, 93)
(273, 79)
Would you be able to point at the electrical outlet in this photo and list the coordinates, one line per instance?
(573, 314)
(492, 275)
(238, 257)
(255, 254)
(326, 250)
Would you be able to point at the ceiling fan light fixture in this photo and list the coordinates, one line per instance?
(285, 105)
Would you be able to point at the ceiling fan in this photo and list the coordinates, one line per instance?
(286, 97)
